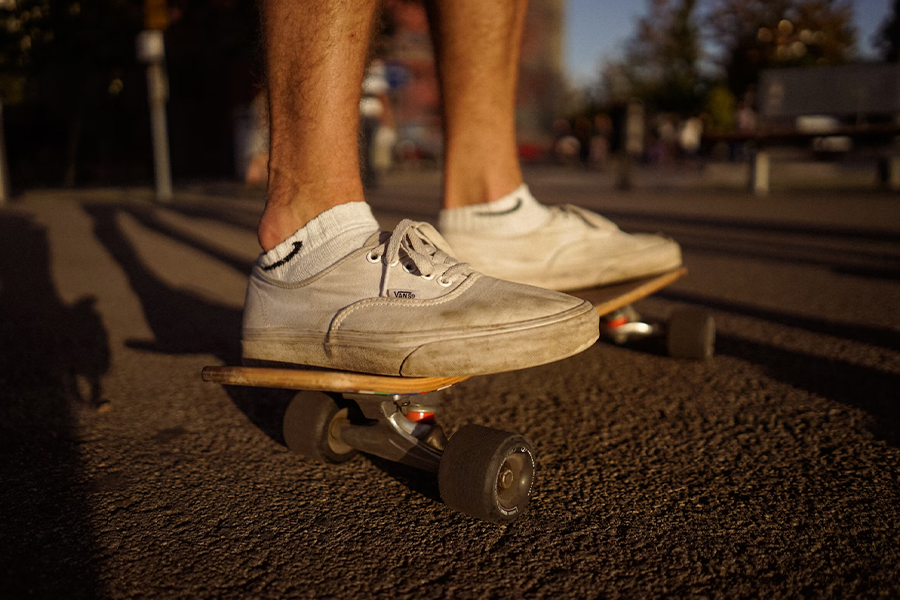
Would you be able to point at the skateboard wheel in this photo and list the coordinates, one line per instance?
(487, 473)
(691, 334)
(310, 428)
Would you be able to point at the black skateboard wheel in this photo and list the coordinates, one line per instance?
(310, 428)
(691, 334)
(487, 473)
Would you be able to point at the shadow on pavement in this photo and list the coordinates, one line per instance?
(52, 358)
(883, 338)
(147, 216)
(233, 216)
(868, 389)
(183, 323)
(865, 265)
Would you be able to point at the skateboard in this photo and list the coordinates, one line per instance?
(483, 472)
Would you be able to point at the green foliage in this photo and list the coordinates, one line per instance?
(661, 63)
(888, 37)
(62, 48)
(720, 105)
(762, 34)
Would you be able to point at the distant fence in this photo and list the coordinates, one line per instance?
(858, 91)
(859, 102)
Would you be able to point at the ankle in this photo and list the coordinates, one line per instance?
(515, 214)
(467, 187)
(319, 243)
(290, 207)
(276, 225)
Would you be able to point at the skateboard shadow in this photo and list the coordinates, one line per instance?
(417, 481)
(883, 338)
(52, 359)
(856, 386)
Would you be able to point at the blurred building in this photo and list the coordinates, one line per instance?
(413, 78)
(75, 97)
(541, 80)
(852, 93)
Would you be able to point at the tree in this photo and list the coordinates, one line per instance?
(66, 56)
(758, 34)
(70, 65)
(888, 37)
(661, 62)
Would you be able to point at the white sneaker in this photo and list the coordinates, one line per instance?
(555, 247)
(401, 305)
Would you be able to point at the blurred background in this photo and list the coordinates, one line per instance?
(683, 84)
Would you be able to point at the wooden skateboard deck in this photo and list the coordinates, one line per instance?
(608, 298)
(321, 380)
(605, 300)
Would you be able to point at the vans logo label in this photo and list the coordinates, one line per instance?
(405, 294)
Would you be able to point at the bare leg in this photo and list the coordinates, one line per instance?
(477, 45)
(315, 58)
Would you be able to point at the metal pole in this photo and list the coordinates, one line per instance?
(4, 166)
(151, 51)
(156, 86)
(632, 142)
(759, 173)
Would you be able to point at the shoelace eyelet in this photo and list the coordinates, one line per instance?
(428, 277)
(372, 257)
(441, 281)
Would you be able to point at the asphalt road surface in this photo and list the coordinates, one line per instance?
(769, 471)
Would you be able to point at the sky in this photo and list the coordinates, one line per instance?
(598, 29)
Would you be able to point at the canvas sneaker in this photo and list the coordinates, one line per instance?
(402, 305)
(561, 248)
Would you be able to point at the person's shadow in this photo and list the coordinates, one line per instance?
(53, 357)
(182, 322)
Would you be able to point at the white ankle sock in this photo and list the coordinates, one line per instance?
(322, 242)
(514, 214)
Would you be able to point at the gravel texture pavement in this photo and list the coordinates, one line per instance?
(770, 470)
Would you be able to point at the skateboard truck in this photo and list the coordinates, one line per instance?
(624, 325)
(388, 433)
(689, 333)
(484, 472)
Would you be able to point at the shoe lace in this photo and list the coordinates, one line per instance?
(425, 250)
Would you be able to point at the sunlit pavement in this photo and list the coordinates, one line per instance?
(770, 470)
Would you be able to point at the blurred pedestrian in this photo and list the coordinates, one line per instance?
(689, 138)
(600, 141)
(376, 124)
(258, 142)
